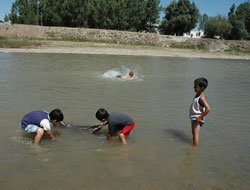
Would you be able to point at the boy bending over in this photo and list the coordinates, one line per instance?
(39, 121)
(116, 122)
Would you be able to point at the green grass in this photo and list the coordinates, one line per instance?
(198, 45)
(237, 50)
(18, 42)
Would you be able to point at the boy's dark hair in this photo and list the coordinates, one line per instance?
(131, 73)
(102, 114)
(201, 82)
(56, 114)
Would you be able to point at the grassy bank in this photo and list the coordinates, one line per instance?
(19, 42)
(24, 36)
(214, 45)
(202, 44)
(76, 46)
(26, 43)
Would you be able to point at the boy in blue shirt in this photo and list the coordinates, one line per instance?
(199, 108)
(116, 122)
(39, 121)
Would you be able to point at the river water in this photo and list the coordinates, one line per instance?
(159, 153)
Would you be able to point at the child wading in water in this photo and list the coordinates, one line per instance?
(116, 122)
(39, 121)
(199, 108)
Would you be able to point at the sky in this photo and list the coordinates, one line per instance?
(210, 7)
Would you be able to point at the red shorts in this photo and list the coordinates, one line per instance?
(126, 130)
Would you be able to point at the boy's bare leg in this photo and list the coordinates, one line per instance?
(123, 139)
(195, 131)
(38, 136)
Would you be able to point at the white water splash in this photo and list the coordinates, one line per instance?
(123, 70)
(111, 74)
(22, 140)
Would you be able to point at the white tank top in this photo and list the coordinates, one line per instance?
(196, 109)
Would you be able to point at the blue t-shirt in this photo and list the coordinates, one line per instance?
(34, 118)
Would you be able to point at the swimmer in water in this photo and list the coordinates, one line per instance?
(129, 76)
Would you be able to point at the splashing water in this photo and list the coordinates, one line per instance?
(114, 73)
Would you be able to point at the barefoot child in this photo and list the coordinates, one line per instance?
(116, 122)
(199, 108)
(39, 121)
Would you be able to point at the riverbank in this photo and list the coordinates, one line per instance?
(42, 39)
(37, 46)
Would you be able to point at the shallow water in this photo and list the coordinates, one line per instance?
(159, 154)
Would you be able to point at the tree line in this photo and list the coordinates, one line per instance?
(181, 16)
(235, 26)
(132, 15)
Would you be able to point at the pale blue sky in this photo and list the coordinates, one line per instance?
(210, 7)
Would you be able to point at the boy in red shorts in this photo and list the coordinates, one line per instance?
(116, 122)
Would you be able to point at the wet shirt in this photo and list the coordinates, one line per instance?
(117, 121)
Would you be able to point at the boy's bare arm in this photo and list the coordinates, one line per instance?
(51, 136)
(207, 108)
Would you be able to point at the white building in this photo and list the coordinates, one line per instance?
(194, 34)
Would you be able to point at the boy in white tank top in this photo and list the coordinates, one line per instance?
(199, 108)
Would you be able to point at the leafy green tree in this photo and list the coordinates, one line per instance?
(52, 12)
(6, 18)
(152, 15)
(242, 12)
(202, 21)
(218, 26)
(181, 17)
(133, 15)
(121, 15)
(72, 13)
(239, 31)
(240, 20)
(136, 10)
(24, 12)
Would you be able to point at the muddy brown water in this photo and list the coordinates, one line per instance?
(159, 154)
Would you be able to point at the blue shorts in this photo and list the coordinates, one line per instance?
(31, 129)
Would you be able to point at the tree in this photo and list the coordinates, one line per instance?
(239, 31)
(24, 12)
(72, 13)
(181, 17)
(218, 26)
(240, 20)
(152, 15)
(202, 21)
(133, 15)
(6, 18)
(52, 13)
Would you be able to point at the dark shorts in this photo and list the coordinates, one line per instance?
(126, 130)
(200, 123)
